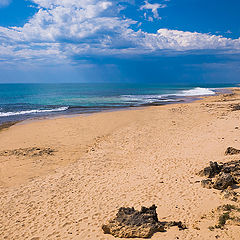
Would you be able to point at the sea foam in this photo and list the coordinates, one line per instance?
(7, 114)
(198, 91)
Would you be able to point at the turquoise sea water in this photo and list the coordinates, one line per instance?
(23, 101)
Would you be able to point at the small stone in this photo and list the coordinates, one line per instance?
(229, 194)
(207, 183)
(235, 107)
(232, 151)
(179, 224)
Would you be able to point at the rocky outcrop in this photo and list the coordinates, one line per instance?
(221, 176)
(222, 181)
(130, 223)
(232, 151)
(211, 171)
(232, 167)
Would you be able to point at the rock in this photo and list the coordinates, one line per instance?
(211, 171)
(236, 177)
(235, 107)
(232, 151)
(225, 175)
(180, 225)
(207, 183)
(233, 167)
(29, 152)
(223, 180)
(229, 194)
(130, 223)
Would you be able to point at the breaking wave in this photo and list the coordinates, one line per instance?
(34, 111)
(198, 91)
(173, 97)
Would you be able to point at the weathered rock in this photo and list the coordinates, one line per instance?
(207, 183)
(179, 224)
(130, 223)
(236, 177)
(211, 171)
(233, 167)
(235, 107)
(223, 180)
(232, 151)
(229, 194)
(28, 152)
(225, 175)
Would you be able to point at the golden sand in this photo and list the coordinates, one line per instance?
(63, 178)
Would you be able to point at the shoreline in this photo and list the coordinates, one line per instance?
(6, 125)
(185, 100)
(63, 178)
(51, 119)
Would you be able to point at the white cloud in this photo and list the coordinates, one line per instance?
(153, 7)
(63, 29)
(181, 41)
(71, 21)
(4, 3)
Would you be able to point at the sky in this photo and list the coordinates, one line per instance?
(178, 41)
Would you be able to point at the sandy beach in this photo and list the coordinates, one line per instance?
(63, 178)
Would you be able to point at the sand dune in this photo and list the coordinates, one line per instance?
(108, 160)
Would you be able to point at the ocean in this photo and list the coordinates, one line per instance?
(28, 101)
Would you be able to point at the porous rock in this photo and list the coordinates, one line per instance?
(229, 194)
(179, 224)
(222, 175)
(130, 223)
(233, 167)
(232, 151)
(211, 171)
(207, 183)
(223, 180)
(235, 107)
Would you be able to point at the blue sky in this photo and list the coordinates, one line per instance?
(124, 41)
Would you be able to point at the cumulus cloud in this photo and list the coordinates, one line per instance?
(154, 9)
(62, 30)
(4, 3)
(67, 20)
(181, 41)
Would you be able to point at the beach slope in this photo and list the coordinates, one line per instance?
(63, 178)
